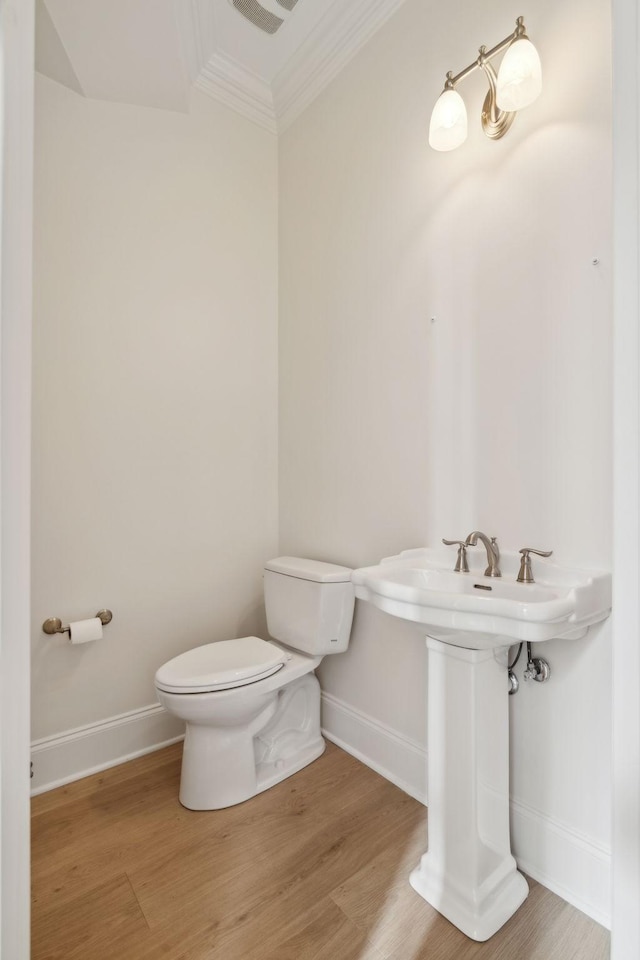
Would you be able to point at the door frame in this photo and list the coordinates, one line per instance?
(16, 66)
(625, 943)
(16, 205)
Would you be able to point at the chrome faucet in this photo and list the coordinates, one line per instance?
(493, 552)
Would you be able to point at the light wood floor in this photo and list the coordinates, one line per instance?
(314, 869)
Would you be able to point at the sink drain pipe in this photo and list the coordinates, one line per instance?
(514, 683)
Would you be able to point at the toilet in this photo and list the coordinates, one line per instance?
(252, 706)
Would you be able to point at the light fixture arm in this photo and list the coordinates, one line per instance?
(495, 122)
(493, 112)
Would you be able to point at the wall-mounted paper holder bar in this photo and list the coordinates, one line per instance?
(55, 625)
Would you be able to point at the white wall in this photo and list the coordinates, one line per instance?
(155, 410)
(396, 431)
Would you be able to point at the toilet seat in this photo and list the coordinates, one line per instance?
(221, 666)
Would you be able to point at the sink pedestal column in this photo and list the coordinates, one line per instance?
(468, 873)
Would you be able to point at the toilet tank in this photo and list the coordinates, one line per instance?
(309, 604)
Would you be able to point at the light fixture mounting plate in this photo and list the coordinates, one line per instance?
(495, 123)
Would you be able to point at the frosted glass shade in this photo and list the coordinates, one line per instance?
(448, 127)
(520, 76)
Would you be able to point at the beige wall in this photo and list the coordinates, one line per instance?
(395, 430)
(155, 373)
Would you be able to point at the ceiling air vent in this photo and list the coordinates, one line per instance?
(268, 15)
(256, 14)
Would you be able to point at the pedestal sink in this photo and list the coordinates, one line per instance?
(468, 872)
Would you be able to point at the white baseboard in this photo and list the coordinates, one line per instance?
(574, 866)
(78, 753)
(393, 756)
(570, 864)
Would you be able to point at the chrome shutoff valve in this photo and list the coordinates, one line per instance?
(537, 668)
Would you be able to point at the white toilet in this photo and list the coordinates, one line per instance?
(252, 707)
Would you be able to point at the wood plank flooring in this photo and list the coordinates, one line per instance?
(314, 869)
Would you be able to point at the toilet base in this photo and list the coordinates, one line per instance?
(268, 775)
(225, 766)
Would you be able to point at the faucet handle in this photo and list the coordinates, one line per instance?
(525, 575)
(462, 565)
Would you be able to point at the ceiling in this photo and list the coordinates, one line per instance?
(153, 52)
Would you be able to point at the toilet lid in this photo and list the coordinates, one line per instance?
(221, 666)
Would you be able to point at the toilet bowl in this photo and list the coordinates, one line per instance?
(252, 707)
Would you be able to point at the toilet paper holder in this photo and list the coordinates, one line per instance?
(55, 624)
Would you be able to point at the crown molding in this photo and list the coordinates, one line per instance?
(336, 39)
(226, 80)
(327, 50)
(253, 78)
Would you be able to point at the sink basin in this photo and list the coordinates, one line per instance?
(478, 612)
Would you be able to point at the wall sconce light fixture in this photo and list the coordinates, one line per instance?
(517, 84)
